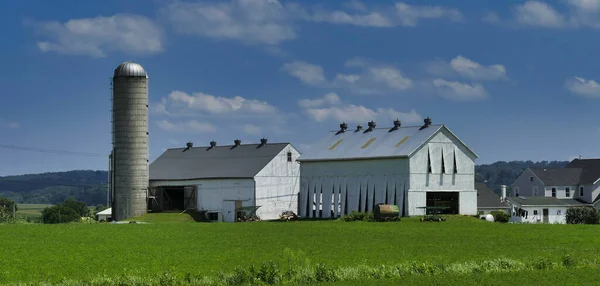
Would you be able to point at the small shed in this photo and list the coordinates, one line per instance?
(104, 215)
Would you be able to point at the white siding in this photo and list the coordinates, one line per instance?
(561, 191)
(278, 185)
(553, 216)
(442, 145)
(526, 186)
(359, 184)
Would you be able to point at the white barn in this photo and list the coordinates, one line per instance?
(222, 181)
(419, 168)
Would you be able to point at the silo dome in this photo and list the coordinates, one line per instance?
(130, 69)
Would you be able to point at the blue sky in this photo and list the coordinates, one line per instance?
(515, 80)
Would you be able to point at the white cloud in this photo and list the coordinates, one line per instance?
(97, 36)
(340, 111)
(401, 14)
(179, 102)
(577, 13)
(458, 91)
(467, 68)
(9, 124)
(535, 13)
(250, 21)
(251, 129)
(330, 98)
(373, 79)
(308, 73)
(583, 87)
(191, 126)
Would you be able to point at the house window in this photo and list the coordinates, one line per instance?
(535, 191)
(535, 212)
(531, 179)
(567, 192)
(554, 192)
(581, 191)
(289, 156)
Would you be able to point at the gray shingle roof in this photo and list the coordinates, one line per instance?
(558, 176)
(546, 201)
(486, 198)
(374, 144)
(590, 172)
(244, 161)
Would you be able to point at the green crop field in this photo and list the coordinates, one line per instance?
(31, 210)
(461, 248)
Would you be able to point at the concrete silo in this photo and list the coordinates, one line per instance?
(129, 157)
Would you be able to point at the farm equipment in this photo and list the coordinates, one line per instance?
(288, 215)
(384, 212)
(245, 214)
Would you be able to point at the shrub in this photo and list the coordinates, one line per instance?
(59, 214)
(359, 216)
(6, 209)
(582, 215)
(500, 216)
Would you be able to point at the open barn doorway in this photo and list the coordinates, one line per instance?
(442, 203)
(174, 198)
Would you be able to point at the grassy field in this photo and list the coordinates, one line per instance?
(31, 210)
(177, 244)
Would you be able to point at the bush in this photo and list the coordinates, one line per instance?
(359, 216)
(6, 209)
(59, 214)
(582, 215)
(500, 216)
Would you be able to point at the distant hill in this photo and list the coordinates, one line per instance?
(91, 186)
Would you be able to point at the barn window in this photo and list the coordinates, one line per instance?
(535, 212)
(454, 162)
(429, 162)
(443, 164)
(289, 156)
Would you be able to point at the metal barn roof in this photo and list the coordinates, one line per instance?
(377, 143)
(243, 161)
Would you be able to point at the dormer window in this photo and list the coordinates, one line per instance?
(289, 156)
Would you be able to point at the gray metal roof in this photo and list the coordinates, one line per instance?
(130, 69)
(243, 161)
(546, 201)
(486, 198)
(590, 169)
(355, 144)
(558, 176)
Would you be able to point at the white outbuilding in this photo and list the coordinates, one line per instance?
(224, 182)
(421, 169)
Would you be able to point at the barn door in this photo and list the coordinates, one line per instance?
(229, 211)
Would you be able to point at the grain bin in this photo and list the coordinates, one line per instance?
(386, 212)
(130, 141)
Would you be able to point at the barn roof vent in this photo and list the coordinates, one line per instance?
(397, 125)
(343, 128)
(263, 142)
(237, 142)
(371, 125)
(358, 128)
(427, 122)
(213, 144)
(188, 146)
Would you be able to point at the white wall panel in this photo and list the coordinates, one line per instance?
(467, 202)
(311, 196)
(380, 187)
(212, 193)
(336, 197)
(364, 191)
(391, 190)
(371, 193)
(353, 192)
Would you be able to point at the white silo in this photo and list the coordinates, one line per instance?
(129, 160)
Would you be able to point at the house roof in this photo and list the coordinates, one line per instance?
(590, 169)
(378, 143)
(546, 201)
(486, 198)
(558, 176)
(243, 161)
(107, 211)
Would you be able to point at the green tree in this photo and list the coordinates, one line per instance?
(79, 207)
(59, 214)
(6, 208)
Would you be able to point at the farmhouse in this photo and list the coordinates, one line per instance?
(541, 209)
(226, 182)
(422, 169)
(579, 180)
